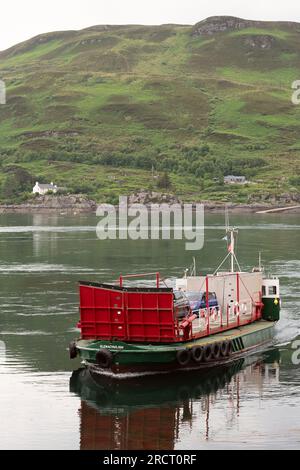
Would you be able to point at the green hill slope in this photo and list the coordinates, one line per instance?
(105, 107)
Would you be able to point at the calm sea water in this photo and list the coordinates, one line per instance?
(48, 402)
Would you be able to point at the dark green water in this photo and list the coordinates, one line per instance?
(255, 403)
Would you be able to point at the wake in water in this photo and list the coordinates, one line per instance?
(25, 333)
(125, 375)
(288, 328)
(45, 267)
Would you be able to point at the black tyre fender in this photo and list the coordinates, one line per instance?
(207, 354)
(73, 350)
(216, 351)
(183, 357)
(224, 348)
(197, 354)
(230, 348)
(104, 358)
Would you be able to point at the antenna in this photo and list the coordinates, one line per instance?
(259, 260)
(191, 269)
(231, 231)
(193, 273)
(226, 218)
(230, 236)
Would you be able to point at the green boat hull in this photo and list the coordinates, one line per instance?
(147, 357)
(147, 391)
(271, 310)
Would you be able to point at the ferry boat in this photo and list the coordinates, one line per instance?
(126, 328)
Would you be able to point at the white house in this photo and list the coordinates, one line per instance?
(232, 179)
(44, 188)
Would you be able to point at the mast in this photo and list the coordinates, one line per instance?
(231, 247)
(194, 266)
(230, 238)
(259, 261)
(232, 250)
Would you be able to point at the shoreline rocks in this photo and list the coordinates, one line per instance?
(68, 204)
(51, 203)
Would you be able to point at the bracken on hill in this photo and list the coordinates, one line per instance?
(110, 108)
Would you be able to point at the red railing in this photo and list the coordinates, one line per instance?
(147, 314)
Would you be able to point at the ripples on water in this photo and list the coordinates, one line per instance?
(45, 268)
(253, 403)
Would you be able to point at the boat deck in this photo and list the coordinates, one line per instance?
(259, 327)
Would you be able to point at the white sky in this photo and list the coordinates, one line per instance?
(23, 19)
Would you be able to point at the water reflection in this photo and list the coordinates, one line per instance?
(39, 311)
(155, 412)
(44, 242)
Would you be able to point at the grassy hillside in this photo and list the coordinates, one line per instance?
(99, 110)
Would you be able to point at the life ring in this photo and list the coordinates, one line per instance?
(104, 358)
(197, 354)
(244, 308)
(237, 309)
(217, 311)
(216, 351)
(183, 357)
(207, 354)
(202, 313)
(73, 350)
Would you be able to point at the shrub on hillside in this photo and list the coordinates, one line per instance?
(164, 181)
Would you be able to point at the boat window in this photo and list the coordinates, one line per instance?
(272, 290)
(263, 291)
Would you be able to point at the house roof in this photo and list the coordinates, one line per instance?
(234, 177)
(46, 186)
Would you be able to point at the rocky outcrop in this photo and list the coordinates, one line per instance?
(261, 41)
(283, 200)
(50, 203)
(50, 133)
(76, 204)
(221, 24)
(152, 197)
